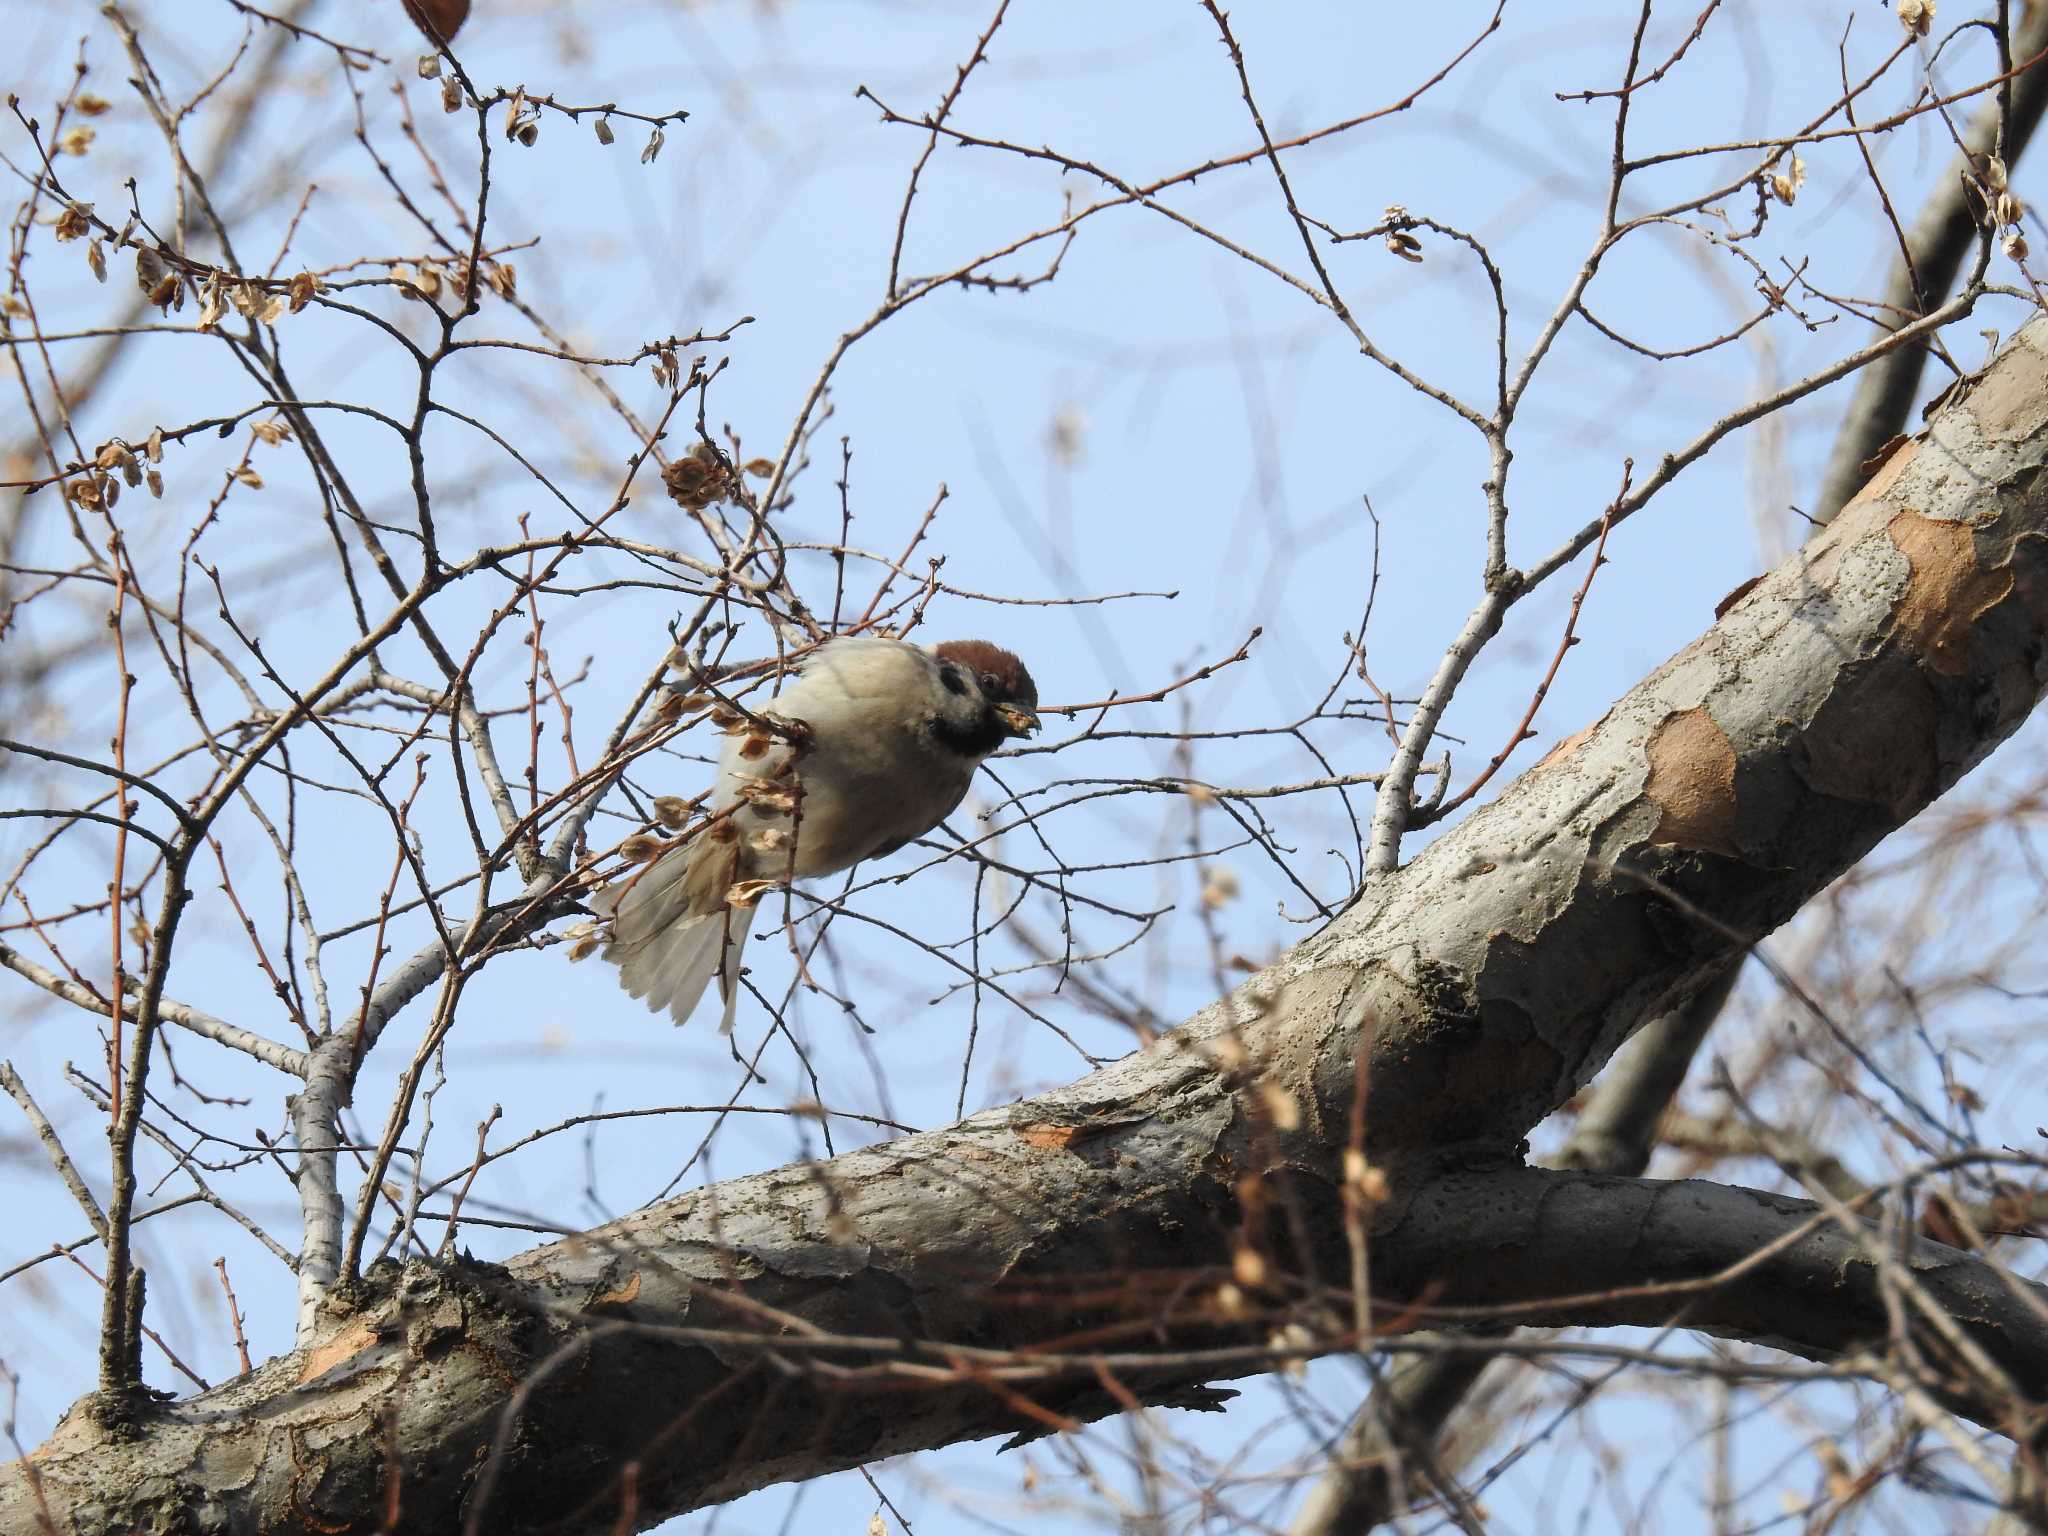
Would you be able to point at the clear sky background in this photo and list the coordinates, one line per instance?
(1164, 417)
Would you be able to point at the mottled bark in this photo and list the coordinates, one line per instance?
(782, 1325)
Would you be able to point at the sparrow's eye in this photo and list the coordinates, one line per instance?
(952, 677)
(988, 686)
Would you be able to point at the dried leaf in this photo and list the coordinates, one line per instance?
(604, 130)
(440, 20)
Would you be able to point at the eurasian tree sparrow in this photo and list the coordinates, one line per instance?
(887, 737)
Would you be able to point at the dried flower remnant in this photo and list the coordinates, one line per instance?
(1916, 16)
(74, 221)
(604, 130)
(700, 478)
(1785, 184)
(75, 141)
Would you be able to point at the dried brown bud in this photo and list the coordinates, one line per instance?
(1404, 245)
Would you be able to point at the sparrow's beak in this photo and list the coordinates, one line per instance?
(1020, 721)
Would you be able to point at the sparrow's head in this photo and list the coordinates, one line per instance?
(990, 694)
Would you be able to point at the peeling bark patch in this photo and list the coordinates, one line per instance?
(1570, 744)
(1721, 608)
(1048, 1138)
(1894, 465)
(325, 1357)
(620, 1297)
(1948, 591)
(1692, 783)
(2010, 404)
(1884, 757)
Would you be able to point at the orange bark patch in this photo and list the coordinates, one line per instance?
(1049, 1138)
(1692, 783)
(1948, 591)
(622, 1296)
(323, 1358)
(1569, 745)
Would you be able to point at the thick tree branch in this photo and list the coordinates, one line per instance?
(784, 1324)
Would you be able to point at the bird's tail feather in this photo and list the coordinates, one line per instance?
(666, 955)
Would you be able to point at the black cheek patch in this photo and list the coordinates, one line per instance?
(952, 677)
